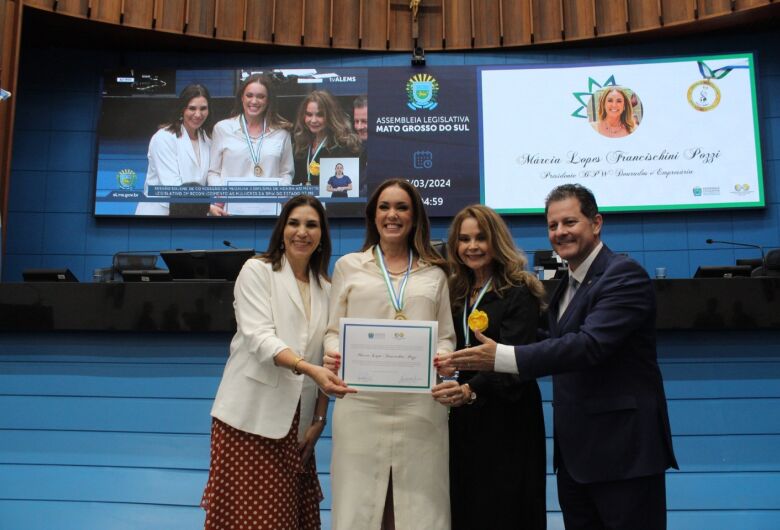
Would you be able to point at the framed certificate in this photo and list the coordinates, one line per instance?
(388, 355)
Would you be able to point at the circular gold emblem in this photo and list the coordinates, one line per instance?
(704, 95)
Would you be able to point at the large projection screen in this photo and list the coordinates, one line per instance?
(693, 143)
(644, 135)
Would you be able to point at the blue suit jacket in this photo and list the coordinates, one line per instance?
(610, 417)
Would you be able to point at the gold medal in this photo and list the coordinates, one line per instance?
(704, 95)
(314, 169)
(399, 315)
(478, 321)
(258, 170)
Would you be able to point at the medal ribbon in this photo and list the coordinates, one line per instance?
(467, 312)
(310, 159)
(245, 130)
(718, 73)
(396, 300)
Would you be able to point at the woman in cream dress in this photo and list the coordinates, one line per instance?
(390, 450)
(252, 147)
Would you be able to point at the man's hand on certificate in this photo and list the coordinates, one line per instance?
(482, 357)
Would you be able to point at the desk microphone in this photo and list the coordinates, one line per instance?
(229, 244)
(749, 245)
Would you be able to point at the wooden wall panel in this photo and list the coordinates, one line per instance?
(399, 25)
(517, 25)
(644, 14)
(486, 16)
(138, 13)
(288, 21)
(678, 11)
(10, 31)
(430, 22)
(547, 20)
(106, 10)
(611, 16)
(458, 24)
(747, 4)
(200, 17)
(317, 22)
(579, 19)
(230, 19)
(387, 24)
(42, 4)
(259, 20)
(374, 23)
(170, 15)
(76, 8)
(345, 25)
(708, 8)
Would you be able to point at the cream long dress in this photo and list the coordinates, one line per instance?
(374, 432)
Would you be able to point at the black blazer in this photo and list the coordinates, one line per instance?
(610, 416)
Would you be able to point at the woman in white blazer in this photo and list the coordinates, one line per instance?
(179, 150)
(267, 416)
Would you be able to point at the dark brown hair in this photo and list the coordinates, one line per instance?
(588, 205)
(319, 260)
(272, 116)
(420, 235)
(188, 94)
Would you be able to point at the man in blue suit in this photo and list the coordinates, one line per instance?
(612, 437)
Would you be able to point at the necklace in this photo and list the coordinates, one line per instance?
(613, 130)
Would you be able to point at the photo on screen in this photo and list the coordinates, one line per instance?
(185, 143)
(344, 179)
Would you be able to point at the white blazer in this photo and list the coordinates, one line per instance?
(172, 162)
(255, 395)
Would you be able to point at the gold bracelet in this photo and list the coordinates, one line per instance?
(295, 366)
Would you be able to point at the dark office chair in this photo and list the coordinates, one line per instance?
(772, 267)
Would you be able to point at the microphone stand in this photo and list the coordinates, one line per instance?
(748, 245)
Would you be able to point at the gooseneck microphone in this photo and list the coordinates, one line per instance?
(229, 244)
(737, 244)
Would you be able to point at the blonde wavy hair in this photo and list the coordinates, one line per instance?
(627, 116)
(509, 262)
(339, 129)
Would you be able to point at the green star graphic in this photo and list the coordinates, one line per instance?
(583, 98)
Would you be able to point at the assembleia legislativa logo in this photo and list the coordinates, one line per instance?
(422, 91)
